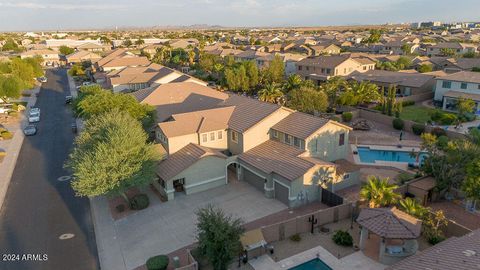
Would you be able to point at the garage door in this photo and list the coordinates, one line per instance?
(254, 179)
(281, 193)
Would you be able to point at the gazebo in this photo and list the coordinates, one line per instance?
(397, 232)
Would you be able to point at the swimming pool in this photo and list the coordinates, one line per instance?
(315, 264)
(368, 155)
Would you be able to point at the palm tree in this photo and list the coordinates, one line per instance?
(412, 207)
(332, 87)
(270, 93)
(379, 193)
(294, 81)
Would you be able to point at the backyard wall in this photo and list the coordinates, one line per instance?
(376, 116)
(455, 229)
(418, 97)
(191, 263)
(285, 229)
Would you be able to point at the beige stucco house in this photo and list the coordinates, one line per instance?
(212, 138)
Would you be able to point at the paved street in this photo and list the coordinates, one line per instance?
(38, 208)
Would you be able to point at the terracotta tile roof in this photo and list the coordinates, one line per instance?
(463, 76)
(197, 122)
(113, 54)
(248, 111)
(184, 158)
(282, 159)
(175, 98)
(459, 253)
(127, 61)
(390, 223)
(300, 125)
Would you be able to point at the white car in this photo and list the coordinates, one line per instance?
(42, 79)
(34, 115)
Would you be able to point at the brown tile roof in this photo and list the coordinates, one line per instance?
(465, 63)
(175, 98)
(128, 61)
(184, 158)
(248, 111)
(300, 125)
(327, 61)
(345, 166)
(282, 159)
(426, 183)
(392, 77)
(197, 122)
(113, 54)
(459, 253)
(463, 76)
(390, 223)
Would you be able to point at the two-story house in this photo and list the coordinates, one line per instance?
(463, 84)
(50, 57)
(455, 47)
(212, 138)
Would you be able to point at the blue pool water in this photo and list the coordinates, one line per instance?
(368, 155)
(315, 264)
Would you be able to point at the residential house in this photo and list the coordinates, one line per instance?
(456, 47)
(50, 58)
(320, 68)
(212, 138)
(119, 59)
(135, 78)
(452, 65)
(93, 47)
(396, 46)
(72, 43)
(406, 83)
(463, 84)
(82, 56)
(322, 49)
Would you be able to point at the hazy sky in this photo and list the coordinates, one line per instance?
(68, 14)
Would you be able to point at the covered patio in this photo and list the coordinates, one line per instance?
(394, 234)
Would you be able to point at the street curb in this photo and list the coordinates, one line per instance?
(14, 150)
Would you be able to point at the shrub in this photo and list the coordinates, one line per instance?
(296, 237)
(435, 239)
(439, 132)
(342, 238)
(159, 262)
(398, 123)
(12, 113)
(447, 119)
(436, 115)
(139, 202)
(442, 142)
(335, 118)
(347, 116)
(6, 135)
(418, 129)
(406, 103)
(2, 129)
(467, 117)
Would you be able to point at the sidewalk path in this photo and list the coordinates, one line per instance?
(13, 148)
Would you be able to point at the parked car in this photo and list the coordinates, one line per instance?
(30, 130)
(34, 115)
(6, 108)
(68, 99)
(74, 127)
(42, 79)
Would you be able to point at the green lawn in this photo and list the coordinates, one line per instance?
(420, 114)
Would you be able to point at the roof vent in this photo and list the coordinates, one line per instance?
(469, 252)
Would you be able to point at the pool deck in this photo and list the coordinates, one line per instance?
(356, 260)
(395, 164)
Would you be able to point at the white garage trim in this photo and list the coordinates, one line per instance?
(252, 171)
(204, 182)
(268, 189)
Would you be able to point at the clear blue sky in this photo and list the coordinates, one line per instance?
(68, 14)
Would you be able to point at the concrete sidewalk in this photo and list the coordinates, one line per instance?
(12, 149)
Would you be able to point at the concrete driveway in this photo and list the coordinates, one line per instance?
(166, 227)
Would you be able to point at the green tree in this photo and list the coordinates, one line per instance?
(111, 155)
(139, 42)
(10, 86)
(471, 184)
(374, 37)
(432, 226)
(24, 71)
(406, 49)
(94, 101)
(218, 236)
(379, 193)
(294, 81)
(425, 68)
(447, 51)
(358, 93)
(10, 45)
(412, 207)
(275, 72)
(252, 73)
(270, 93)
(105, 40)
(332, 87)
(465, 105)
(127, 43)
(65, 50)
(308, 100)
(403, 62)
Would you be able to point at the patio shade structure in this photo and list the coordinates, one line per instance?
(253, 243)
(390, 223)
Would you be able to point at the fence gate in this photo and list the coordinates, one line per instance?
(331, 199)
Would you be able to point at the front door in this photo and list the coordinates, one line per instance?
(178, 185)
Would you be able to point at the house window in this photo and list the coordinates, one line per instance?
(234, 136)
(204, 138)
(220, 135)
(161, 182)
(287, 139)
(341, 140)
(308, 68)
(463, 85)
(328, 71)
(478, 86)
(323, 70)
(446, 84)
(212, 136)
(275, 133)
(346, 176)
(364, 68)
(299, 67)
(296, 142)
